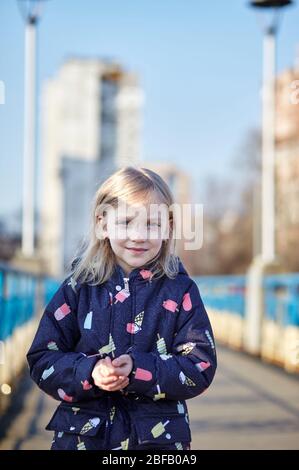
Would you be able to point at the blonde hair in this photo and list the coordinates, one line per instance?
(97, 262)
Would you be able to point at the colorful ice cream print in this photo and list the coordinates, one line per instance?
(186, 380)
(165, 357)
(64, 396)
(47, 372)
(159, 395)
(88, 321)
(142, 374)
(80, 445)
(52, 346)
(180, 408)
(121, 296)
(135, 327)
(62, 312)
(189, 382)
(170, 305)
(86, 385)
(124, 445)
(108, 348)
(146, 274)
(186, 348)
(161, 345)
(187, 304)
(201, 366)
(182, 377)
(159, 429)
(207, 333)
(92, 423)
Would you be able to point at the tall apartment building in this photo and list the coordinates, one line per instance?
(91, 126)
(287, 167)
(179, 182)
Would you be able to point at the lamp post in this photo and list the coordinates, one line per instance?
(263, 262)
(31, 13)
(270, 30)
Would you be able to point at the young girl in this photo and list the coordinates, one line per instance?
(126, 338)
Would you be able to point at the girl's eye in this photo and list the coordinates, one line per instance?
(154, 224)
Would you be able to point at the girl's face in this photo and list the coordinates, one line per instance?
(135, 233)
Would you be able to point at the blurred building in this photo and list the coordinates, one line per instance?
(287, 174)
(91, 126)
(179, 183)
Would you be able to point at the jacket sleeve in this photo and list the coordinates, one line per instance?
(190, 367)
(54, 366)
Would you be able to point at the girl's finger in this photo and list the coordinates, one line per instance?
(108, 380)
(106, 372)
(109, 365)
(118, 370)
(106, 367)
(118, 386)
(120, 361)
(120, 381)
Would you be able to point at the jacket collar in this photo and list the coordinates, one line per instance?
(139, 275)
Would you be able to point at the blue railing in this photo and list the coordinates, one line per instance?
(50, 287)
(282, 298)
(17, 294)
(22, 296)
(223, 293)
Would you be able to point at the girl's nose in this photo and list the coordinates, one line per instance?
(137, 233)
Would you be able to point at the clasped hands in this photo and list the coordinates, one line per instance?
(112, 375)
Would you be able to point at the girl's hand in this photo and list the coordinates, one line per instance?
(123, 365)
(104, 377)
(105, 368)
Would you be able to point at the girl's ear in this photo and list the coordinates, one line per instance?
(101, 227)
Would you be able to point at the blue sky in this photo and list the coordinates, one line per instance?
(199, 63)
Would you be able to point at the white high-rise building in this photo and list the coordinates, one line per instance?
(287, 166)
(91, 126)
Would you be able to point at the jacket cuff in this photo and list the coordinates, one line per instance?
(83, 374)
(142, 376)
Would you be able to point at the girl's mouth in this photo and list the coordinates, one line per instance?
(137, 250)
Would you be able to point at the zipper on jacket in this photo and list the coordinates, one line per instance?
(127, 289)
(126, 282)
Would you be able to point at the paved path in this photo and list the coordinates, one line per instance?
(249, 406)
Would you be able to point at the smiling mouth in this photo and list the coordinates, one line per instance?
(137, 250)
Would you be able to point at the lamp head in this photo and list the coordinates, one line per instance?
(30, 10)
(270, 3)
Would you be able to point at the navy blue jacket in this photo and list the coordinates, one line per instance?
(162, 323)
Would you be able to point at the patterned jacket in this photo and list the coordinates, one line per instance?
(162, 323)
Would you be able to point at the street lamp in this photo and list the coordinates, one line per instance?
(265, 262)
(31, 13)
(270, 30)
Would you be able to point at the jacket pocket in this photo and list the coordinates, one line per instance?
(76, 421)
(162, 429)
